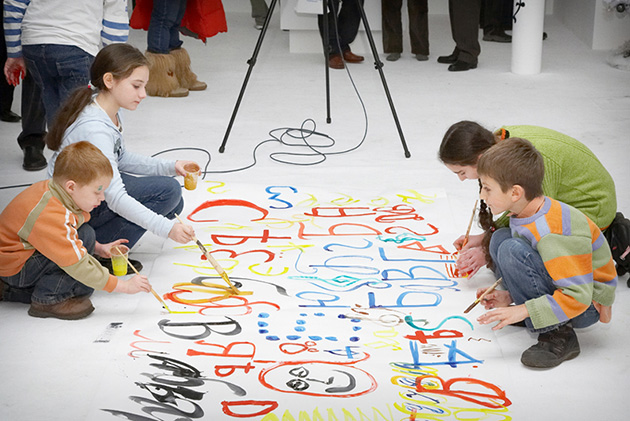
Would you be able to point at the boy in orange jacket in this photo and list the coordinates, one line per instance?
(46, 245)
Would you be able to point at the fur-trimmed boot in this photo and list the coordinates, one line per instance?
(162, 79)
(185, 75)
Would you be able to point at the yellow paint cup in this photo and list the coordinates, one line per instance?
(192, 174)
(119, 261)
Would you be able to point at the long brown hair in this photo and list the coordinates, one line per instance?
(463, 142)
(118, 59)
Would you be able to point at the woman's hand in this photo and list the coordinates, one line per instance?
(102, 250)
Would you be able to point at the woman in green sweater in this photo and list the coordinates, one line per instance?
(573, 175)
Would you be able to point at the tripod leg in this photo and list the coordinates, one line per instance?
(252, 63)
(378, 64)
(325, 43)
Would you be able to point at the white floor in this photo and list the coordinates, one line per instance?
(48, 375)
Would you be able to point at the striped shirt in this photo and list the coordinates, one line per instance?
(44, 218)
(576, 256)
(87, 24)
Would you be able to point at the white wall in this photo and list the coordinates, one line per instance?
(592, 23)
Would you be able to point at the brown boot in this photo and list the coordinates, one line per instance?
(71, 309)
(162, 79)
(185, 75)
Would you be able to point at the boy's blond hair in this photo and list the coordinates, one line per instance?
(82, 163)
(514, 161)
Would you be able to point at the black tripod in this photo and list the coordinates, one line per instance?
(378, 65)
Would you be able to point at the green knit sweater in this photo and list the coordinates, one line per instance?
(573, 174)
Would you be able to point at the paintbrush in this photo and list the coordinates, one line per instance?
(212, 261)
(482, 296)
(472, 218)
(155, 294)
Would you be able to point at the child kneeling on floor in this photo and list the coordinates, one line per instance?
(554, 261)
(46, 245)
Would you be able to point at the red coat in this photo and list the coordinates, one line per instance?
(205, 18)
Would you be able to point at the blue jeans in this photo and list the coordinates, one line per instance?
(163, 195)
(58, 70)
(42, 281)
(166, 18)
(525, 276)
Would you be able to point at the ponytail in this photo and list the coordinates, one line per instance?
(486, 221)
(67, 115)
(120, 60)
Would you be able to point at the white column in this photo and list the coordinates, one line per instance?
(527, 36)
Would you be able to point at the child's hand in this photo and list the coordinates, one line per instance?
(179, 167)
(505, 316)
(473, 241)
(102, 250)
(181, 233)
(496, 298)
(14, 70)
(470, 260)
(605, 312)
(138, 283)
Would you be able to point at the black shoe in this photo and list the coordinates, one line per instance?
(34, 159)
(448, 59)
(10, 117)
(461, 66)
(552, 348)
(497, 36)
(107, 263)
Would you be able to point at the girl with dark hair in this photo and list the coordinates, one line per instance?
(573, 175)
(132, 204)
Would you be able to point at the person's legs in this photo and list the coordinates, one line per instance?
(525, 277)
(165, 18)
(44, 74)
(43, 282)
(392, 26)
(174, 41)
(465, 29)
(31, 139)
(259, 12)
(349, 19)
(57, 69)
(333, 45)
(163, 195)
(419, 26)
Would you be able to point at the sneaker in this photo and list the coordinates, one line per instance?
(422, 57)
(71, 309)
(107, 263)
(552, 348)
(392, 56)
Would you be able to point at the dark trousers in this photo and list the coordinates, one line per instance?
(161, 194)
(418, 26)
(33, 114)
(43, 281)
(493, 15)
(464, 17)
(346, 24)
(6, 90)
